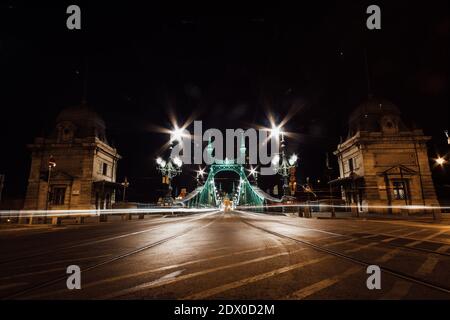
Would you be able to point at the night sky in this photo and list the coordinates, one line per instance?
(225, 63)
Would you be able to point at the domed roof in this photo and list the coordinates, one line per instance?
(369, 114)
(375, 106)
(82, 116)
(85, 121)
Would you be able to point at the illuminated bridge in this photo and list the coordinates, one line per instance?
(246, 194)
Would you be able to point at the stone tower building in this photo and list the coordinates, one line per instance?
(383, 164)
(84, 176)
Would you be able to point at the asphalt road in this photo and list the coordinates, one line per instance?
(232, 255)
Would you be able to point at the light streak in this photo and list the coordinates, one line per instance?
(304, 205)
(96, 212)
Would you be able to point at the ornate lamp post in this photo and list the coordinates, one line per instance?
(51, 165)
(169, 169)
(283, 166)
(125, 184)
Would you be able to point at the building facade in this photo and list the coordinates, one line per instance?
(85, 164)
(383, 165)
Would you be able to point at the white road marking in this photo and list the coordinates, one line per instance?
(389, 255)
(426, 238)
(428, 266)
(207, 293)
(213, 291)
(162, 280)
(403, 235)
(431, 262)
(203, 272)
(318, 286)
(183, 264)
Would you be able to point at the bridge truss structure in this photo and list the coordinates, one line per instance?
(246, 194)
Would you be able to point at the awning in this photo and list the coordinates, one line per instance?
(109, 184)
(346, 180)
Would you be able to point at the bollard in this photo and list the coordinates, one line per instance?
(80, 220)
(307, 212)
(300, 212)
(56, 221)
(354, 211)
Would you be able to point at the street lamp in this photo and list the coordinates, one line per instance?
(276, 131)
(176, 134)
(254, 173)
(169, 169)
(283, 165)
(125, 185)
(440, 161)
(51, 165)
(199, 177)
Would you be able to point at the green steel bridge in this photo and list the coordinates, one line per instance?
(246, 194)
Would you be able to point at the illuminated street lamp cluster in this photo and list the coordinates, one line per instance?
(200, 175)
(282, 164)
(254, 173)
(170, 168)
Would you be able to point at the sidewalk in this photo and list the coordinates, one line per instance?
(5, 227)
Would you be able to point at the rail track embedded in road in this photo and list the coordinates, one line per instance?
(361, 262)
(97, 240)
(107, 261)
(385, 244)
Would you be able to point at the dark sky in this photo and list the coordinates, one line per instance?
(225, 63)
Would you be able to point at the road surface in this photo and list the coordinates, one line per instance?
(228, 255)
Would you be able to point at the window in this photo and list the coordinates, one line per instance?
(350, 164)
(105, 169)
(399, 188)
(58, 195)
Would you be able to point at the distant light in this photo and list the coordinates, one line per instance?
(293, 159)
(201, 172)
(440, 161)
(159, 160)
(276, 159)
(253, 171)
(178, 162)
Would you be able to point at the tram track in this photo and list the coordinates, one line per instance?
(95, 240)
(361, 262)
(367, 240)
(108, 261)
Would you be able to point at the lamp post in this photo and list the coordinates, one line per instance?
(125, 185)
(254, 174)
(199, 177)
(169, 169)
(329, 170)
(51, 165)
(284, 165)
